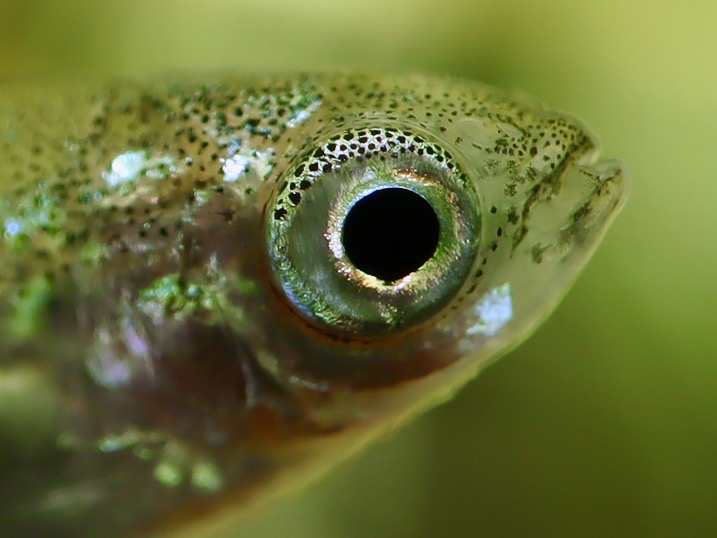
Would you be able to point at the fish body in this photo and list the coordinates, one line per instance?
(210, 291)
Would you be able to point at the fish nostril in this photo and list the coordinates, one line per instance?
(390, 233)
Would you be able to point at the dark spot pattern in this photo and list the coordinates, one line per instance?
(370, 143)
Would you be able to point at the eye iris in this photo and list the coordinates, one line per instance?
(390, 233)
(374, 231)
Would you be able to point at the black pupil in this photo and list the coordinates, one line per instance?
(390, 233)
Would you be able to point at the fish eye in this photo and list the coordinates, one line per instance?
(373, 231)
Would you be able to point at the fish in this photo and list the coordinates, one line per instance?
(213, 289)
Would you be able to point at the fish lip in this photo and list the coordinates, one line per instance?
(609, 173)
(612, 174)
(604, 186)
(588, 157)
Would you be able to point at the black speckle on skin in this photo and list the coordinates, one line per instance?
(366, 143)
(295, 198)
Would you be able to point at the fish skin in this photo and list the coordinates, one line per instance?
(155, 377)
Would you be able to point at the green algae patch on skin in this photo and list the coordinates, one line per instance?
(214, 290)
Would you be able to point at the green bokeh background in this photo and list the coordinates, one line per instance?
(605, 422)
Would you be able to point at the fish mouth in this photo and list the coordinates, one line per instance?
(607, 187)
(593, 192)
(605, 184)
(573, 206)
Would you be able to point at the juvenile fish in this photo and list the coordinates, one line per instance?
(211, 291)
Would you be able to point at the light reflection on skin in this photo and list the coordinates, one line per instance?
(494, 311)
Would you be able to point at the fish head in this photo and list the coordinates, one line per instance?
(425, 227)
(222, 288)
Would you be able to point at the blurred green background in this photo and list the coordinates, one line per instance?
(605, 422)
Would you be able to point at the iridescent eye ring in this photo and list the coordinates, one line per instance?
(399, 231)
